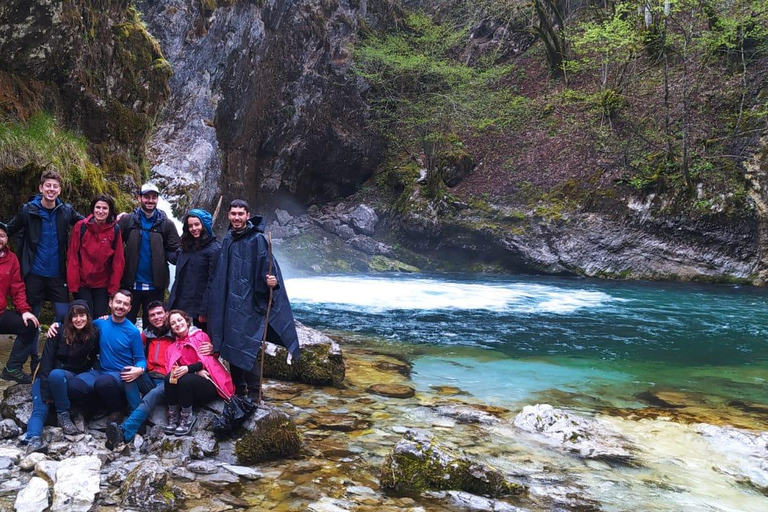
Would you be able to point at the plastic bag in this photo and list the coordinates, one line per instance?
(235, 412)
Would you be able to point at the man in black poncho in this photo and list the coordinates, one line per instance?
(239, 294)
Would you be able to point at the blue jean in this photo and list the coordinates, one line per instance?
(139, 415)
(57, 380)
(96, 379)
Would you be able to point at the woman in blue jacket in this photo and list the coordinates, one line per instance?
(195, 262)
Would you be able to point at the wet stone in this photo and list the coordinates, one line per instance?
(448, 390)
(9, 428)
(243, 472)
(28, 463)
(392, 390)
(233, 500)
(5, 463)
(340, 423)
(202, 467)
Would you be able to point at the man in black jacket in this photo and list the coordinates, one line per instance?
(43, 226)
(150, 238)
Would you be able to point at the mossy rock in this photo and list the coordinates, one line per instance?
(418, 463)
(321, 362)
(270, 435)
(146, 488)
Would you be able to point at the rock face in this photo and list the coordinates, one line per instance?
(589, 438)
(419, 463)
(146, 488)
(270, 435)
(321, 362)
(263, 103)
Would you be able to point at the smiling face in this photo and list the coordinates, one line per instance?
(179, 325)
(100, 211)
(148, 202)
(50, 190)
(79, 320)
(238, 217)
(157, 317)
(120, 305)
(195, 227)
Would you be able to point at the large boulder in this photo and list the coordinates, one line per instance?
(77, 484)
(17, 403)
(590, 438)
(270, 435)
(34, 497)
(146, 488)
(419, 463)
(321, 362)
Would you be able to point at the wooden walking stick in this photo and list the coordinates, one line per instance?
(266, 318)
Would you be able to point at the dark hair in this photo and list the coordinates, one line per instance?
(50, 174)
(240, 203)
(183, 314)
(188, 242)
(110, 202)
(123, 291)
(155, 304)
(72, 335)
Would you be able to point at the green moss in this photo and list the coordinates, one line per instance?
(383, 264)
(274, 438)
(316, 366)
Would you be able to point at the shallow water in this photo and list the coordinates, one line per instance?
(594, 347)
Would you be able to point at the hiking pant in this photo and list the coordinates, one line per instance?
(57, 381)
(26, 338)
(140, 414)
(108, 386)
(191, 388)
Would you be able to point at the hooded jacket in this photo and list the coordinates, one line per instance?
(163, 241)
(28, 225)
(95, 258)
(219, 375)
(238, 300)
(12, 284)
(156, 349)
(193, 269)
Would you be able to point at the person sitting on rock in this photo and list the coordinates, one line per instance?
(73, 350)
(193, 377)
(156, 338)
(20, 322)
(121, 359)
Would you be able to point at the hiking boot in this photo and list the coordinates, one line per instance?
(115, 435)
(173, 419)
(186, 422)
(36, 444)
(15, 374)
(65, 422)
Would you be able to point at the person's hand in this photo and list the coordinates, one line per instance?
(29, 317)
(205, 349)
(202, 319)
(204, 374)
(103, 317)
(271, 281)
(131, 373)
(53, 330)
(179, 372)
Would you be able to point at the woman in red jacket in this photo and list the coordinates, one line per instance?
(95, 260)
(20, 322)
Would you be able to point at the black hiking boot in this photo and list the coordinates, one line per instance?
(115, 435)
(16, 375)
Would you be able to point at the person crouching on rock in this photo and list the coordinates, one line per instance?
(193, 378)
(73, 350)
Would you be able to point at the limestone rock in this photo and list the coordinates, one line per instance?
(419, 463)
(321, 362)
(29, 462)
(392, 390)
(587, 437)
(34, 497)
(467, 501)
(46, 469)
(363, 219)
(9, 428)
(202, 467)
(270, 435)
(243, 472)
(146, 488)
(466, 414)
(744, 453)
(17, 403)
(77, 484)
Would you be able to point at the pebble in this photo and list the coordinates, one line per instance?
(392, 390)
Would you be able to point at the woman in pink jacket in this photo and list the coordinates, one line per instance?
(192, 378)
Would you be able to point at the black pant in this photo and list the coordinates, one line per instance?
(190, 389)
(141, 299)
(26, 338)
(106, 391)
(246, 383)
(97, 299)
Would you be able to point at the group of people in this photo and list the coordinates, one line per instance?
(116, 265)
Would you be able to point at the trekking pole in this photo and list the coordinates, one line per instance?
(266, 318)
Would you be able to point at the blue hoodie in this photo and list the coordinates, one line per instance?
(46, 262)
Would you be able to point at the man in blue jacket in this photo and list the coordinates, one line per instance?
(43, 226)
(239, 295)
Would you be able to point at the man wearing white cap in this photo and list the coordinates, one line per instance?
(150, 237)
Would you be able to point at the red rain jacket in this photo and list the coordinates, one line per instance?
(12, 284)
(95, 258)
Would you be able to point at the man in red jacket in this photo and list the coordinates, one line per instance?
(20, 322)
